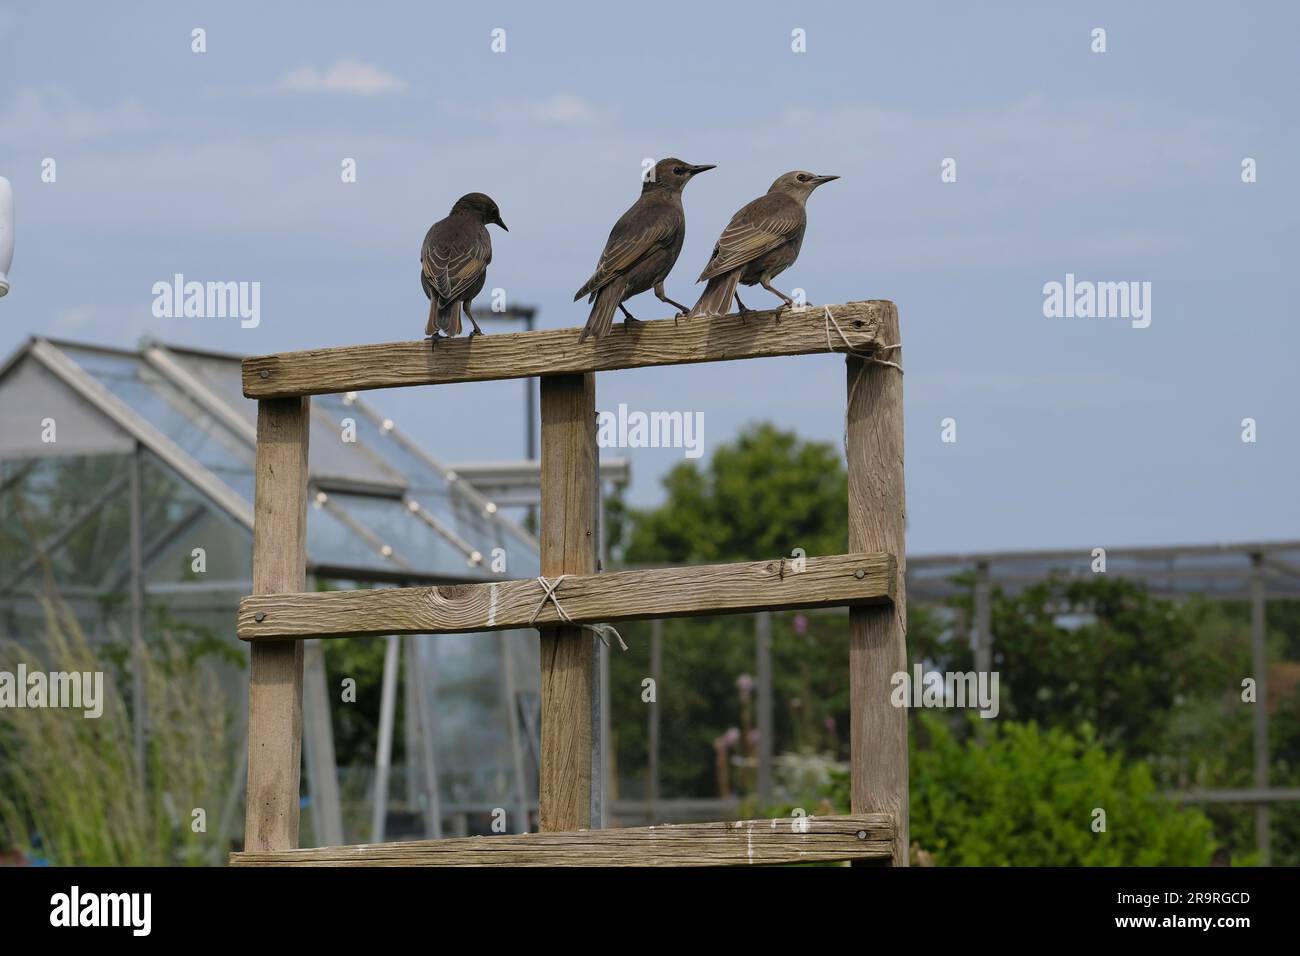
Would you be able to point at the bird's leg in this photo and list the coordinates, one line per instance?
(631, 319)
(662, 297)
(744, 310)
(786, 301)
(470, 316)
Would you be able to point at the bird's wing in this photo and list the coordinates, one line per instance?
(639, 232)
(758, 228)
(452, 260)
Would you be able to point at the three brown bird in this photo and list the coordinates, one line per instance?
(760, 242)
(454, 261)
(642, 247)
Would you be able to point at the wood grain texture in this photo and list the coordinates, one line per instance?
(558, 351)
(568, 539)
(749, 842)
(275, 668)
(835, 580)
(878, 635)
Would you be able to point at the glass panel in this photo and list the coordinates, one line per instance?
(173, 413)
(377, 457)
(331, 542)
(415, 545)
(48, 527)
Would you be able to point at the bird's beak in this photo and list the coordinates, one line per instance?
(696, 170)
(501, 224)
(818, 180)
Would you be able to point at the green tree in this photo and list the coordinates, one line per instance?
(1097, 651)
(759, 497)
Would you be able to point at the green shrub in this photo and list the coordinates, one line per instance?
(1026, 797)
(1020, 796)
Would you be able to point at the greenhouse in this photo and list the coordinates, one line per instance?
(126, 502)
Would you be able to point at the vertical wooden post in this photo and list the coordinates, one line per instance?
(878, 635)
(275, 667)
(568, 545)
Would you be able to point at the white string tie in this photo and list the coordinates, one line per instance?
(866, 358)
(600, 630)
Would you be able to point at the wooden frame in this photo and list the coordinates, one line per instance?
(553, 352)
(788, 840)
(869, 580)
(838, 580)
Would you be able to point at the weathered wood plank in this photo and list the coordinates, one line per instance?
(832, 581)
(568, 539)
(275, 667)
(878, 635)
(749, 842)
(558, 351)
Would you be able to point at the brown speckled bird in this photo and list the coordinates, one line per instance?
(760, 242)
(454, 261)
(642, 248)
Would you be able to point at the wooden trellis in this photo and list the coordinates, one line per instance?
(869, 580)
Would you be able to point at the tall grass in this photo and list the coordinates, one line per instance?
(70, 788)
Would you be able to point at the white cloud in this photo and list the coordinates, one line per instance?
(562, 109)
(343, 76)
(34, 121)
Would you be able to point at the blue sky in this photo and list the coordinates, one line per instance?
(1115, 166)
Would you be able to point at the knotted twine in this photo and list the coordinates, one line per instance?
(599, 630)
(868, 357)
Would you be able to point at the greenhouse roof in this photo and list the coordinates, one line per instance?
(1215, 571)
(383, 508)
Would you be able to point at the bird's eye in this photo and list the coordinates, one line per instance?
(679, 171)
(803, 178)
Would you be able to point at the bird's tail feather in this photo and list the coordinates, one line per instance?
(716, 298)
(443, 317)
(602, 313)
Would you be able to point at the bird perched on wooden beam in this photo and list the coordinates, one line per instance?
(454, 261)
(642, 248)
(760, 242)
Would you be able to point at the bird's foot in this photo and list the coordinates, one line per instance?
(779, 309)
(476, 331)
(433, 342)
(629, 322)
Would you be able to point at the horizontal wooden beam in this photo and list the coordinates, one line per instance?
(557, 351)
(842, 579)
(781, 840)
